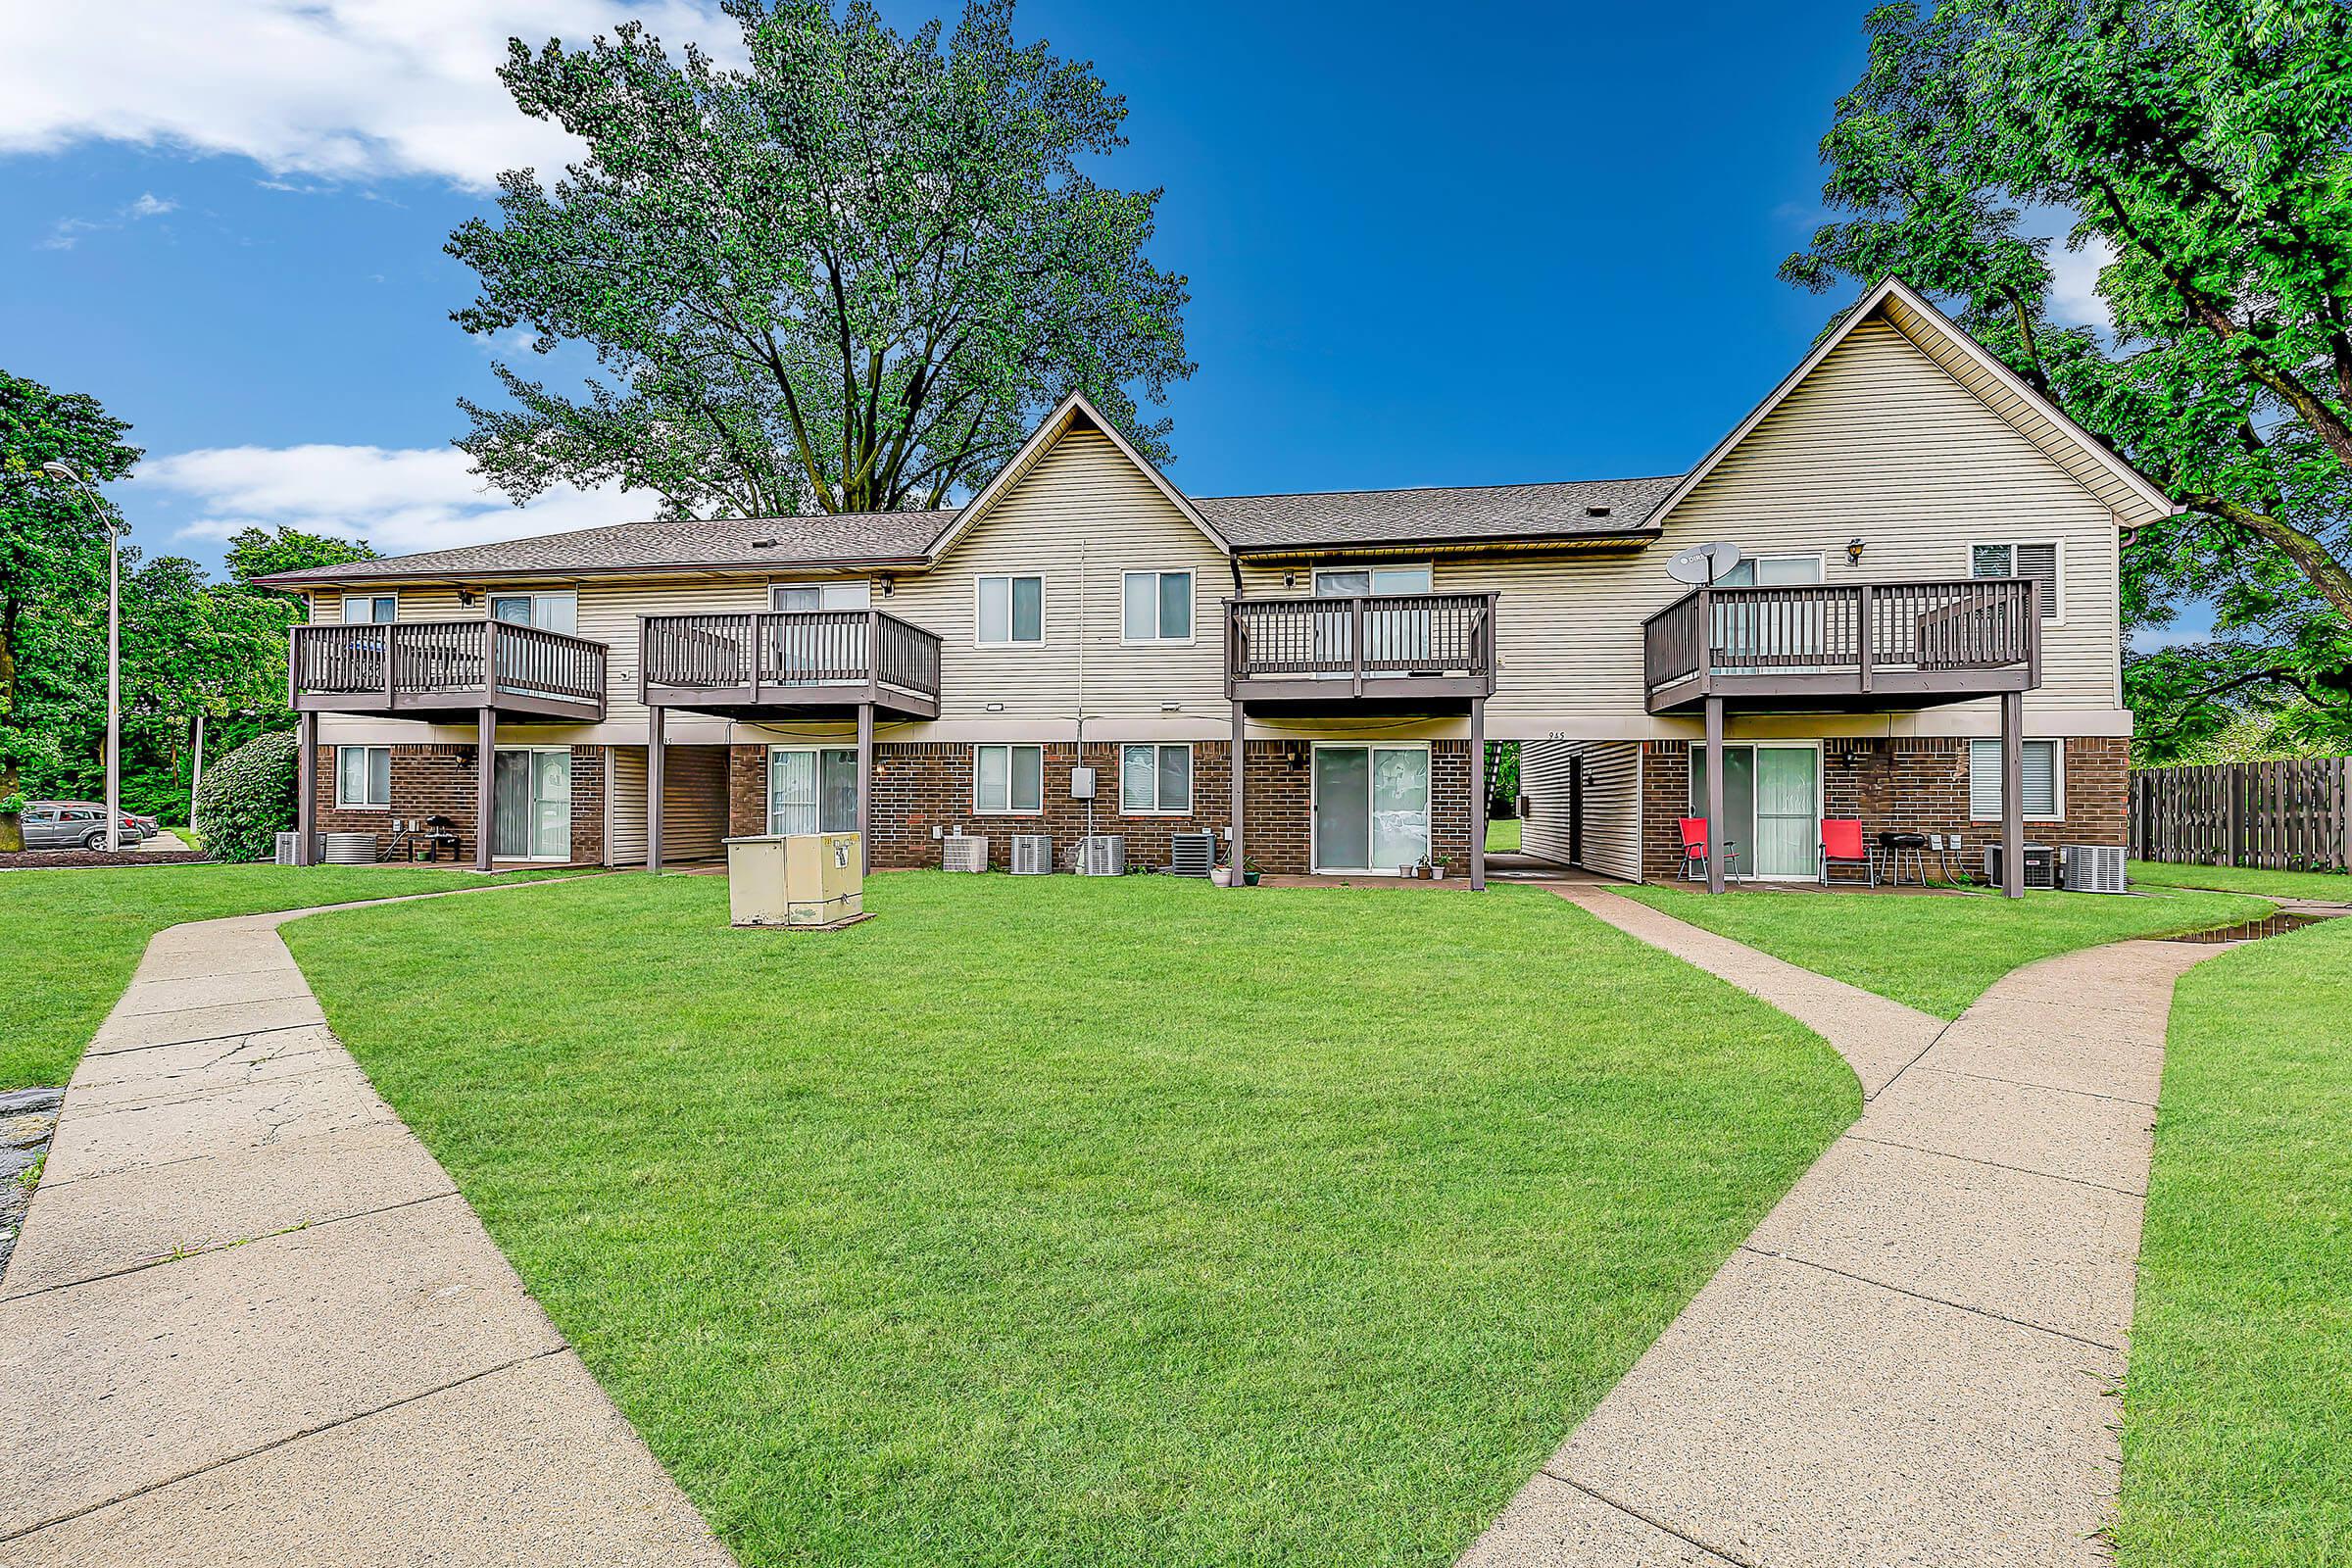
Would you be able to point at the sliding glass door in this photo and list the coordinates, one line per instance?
(811, 789)
(1771, 806)
(530, 804)
(1371, 807)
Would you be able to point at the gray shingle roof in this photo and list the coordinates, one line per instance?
(1331, 517)
(1413, 517)
(845, 538)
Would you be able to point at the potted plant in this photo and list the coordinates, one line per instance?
(1250, 871)
(1438, 865)
(1220, 876)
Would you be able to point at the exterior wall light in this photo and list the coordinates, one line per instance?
(1853, 551)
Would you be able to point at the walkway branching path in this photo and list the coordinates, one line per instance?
(250, 1319)
(1913, 1358)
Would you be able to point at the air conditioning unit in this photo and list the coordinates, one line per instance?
(1032, 855)
(963, 852)
(1192, 854)
(288, 844)
(350, 849)
(1105, 855)
(2094, 868)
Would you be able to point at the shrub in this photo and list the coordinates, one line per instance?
(247, 799)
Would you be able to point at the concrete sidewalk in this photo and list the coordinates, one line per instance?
(1913, 1358)
(250, 1320)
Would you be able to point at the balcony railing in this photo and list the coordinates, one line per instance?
(776, 659)
(1929, 641)
(429, 668)
(1378, 645)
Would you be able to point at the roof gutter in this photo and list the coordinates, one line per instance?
(1450, 545)
(710, 569)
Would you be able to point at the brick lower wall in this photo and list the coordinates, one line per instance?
(919, 787)
(1916, 784)
(439, 781)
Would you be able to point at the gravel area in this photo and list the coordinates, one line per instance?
(27, 1116)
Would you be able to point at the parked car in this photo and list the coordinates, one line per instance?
(79, 825)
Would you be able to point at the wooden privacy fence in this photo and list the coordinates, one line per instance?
(2288, 816)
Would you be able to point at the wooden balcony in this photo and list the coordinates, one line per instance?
(810, 663)
(1401, 653)
(447, 672)
(1849, 648)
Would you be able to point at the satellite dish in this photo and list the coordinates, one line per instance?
(1701, 564)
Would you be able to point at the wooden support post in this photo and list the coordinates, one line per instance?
(485, 784)
(2013, 795)
(865, 786)
(1715, 847)
(1240, 754)
(653, 718)
(1477, 792)
(306, 787)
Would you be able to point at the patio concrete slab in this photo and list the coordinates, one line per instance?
(229, 1121)
(1912, 1358)
(108, 1224)
(1877, 1037)
(2053, 1254)
(363, 1381)
(2055, 1132)
(447, 1480)
(130, 1382)
(1795, 1416)
(142, 1029)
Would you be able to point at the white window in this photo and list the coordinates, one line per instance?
(1156, 780)
(1009, 779)
(549, 611)
(2020, 559)
(811, 789)
(2045, 785)
(1013, 610)
(858, 595)
(358, 610)
(1772, 572)
(1158, 608)
(364, 776)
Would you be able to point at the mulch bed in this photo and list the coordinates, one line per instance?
(48, 859)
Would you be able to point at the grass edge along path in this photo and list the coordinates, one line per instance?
(69, 940)
(2326, 887)
(1936, 954)
(1052, 1220)
(2238, 1436)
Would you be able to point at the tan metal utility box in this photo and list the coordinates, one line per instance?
(796, 879)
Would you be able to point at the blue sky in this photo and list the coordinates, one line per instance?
(1476, 245)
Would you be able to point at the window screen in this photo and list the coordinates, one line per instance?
(1984, 779)
(2036, 561)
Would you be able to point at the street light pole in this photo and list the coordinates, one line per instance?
(114, 654)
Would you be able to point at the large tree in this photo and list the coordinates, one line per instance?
(847, 276)
(2206, 146)
(258, 552)
(52, 549)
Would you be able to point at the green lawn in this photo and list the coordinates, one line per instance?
(2333, 887)
(1065, 1221)
(1938, 953)
(69, 940)
(1502, 836)
(2237, 1424)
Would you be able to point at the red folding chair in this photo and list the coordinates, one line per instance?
(1694, 852)
(1843, 843)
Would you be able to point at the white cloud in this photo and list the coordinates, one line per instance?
(398, 499)
(150, 205)
(2074, 279)
(66, 232)
(334, 90)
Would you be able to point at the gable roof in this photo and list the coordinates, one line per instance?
(1072, 411)
(2083, 456)
(725, 544)
(1578, 508)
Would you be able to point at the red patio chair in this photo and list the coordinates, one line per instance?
(1694, 852)
(1843, 843)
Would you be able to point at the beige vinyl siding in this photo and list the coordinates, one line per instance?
(1879, 443)
(625, 805)
(1081, 518)
(1612, 791)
